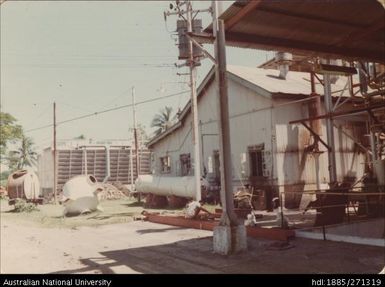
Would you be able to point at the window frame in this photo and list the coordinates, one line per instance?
(165, 161)
(256, 154)
(185, 159)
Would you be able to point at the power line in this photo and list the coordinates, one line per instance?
(92, 66)
(106, 111)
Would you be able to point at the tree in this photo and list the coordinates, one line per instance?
(163, 120)
(24, 156)
(81, 137)
(9, 132)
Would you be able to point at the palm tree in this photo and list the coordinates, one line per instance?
(81, 137)
(163, 120)
(24, 156)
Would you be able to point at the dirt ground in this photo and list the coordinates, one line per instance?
(111, 242)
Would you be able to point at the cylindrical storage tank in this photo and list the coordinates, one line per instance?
(80, 186)
(165, 185)
(181, 27)
(23, 184)
(80, 195)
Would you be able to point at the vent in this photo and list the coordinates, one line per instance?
(283, 60)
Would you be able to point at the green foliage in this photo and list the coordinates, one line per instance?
(81, 137)
(23, 156)
(4, 177)
(9, 132)
(22, 206)
(3, 182)
(162, 121)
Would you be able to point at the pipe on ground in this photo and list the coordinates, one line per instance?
(183, 186)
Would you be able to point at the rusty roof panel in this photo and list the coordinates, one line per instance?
(349, 29)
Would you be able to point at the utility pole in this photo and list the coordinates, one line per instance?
(131, 169)
(135, 139)
(194, 105)
(186, 51)
(54, 154)
(230, 235)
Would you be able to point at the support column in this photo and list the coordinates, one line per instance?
(372, 140)
(230, 235)
(330, 131)
(54, 155)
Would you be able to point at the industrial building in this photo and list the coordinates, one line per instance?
(268, 152)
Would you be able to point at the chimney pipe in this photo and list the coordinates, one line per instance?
(283, 60)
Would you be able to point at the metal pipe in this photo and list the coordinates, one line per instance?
(182, 186)
(314, 107)
(372, 139)
(330, 130)
(108, 166)
(281, 202)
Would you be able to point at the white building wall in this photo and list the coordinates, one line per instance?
(298, 170)
(45, 170)
(181, 141)
(250, 125)
(247, 129)
(253, 121)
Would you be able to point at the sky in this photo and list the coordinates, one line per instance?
(86, 56)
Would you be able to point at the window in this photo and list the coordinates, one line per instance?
(165, 164)
(257, 163)
(185, 164)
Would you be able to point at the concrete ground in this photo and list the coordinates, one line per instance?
(144, 247)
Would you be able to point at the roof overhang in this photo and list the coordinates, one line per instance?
(343, 29)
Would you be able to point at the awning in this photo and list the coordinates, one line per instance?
(345, 29)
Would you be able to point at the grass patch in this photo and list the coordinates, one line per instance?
(23, 206)
(135, 204)
(51, 216)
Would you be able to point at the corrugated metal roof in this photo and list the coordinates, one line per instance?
(351, 29)
(296, 83)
